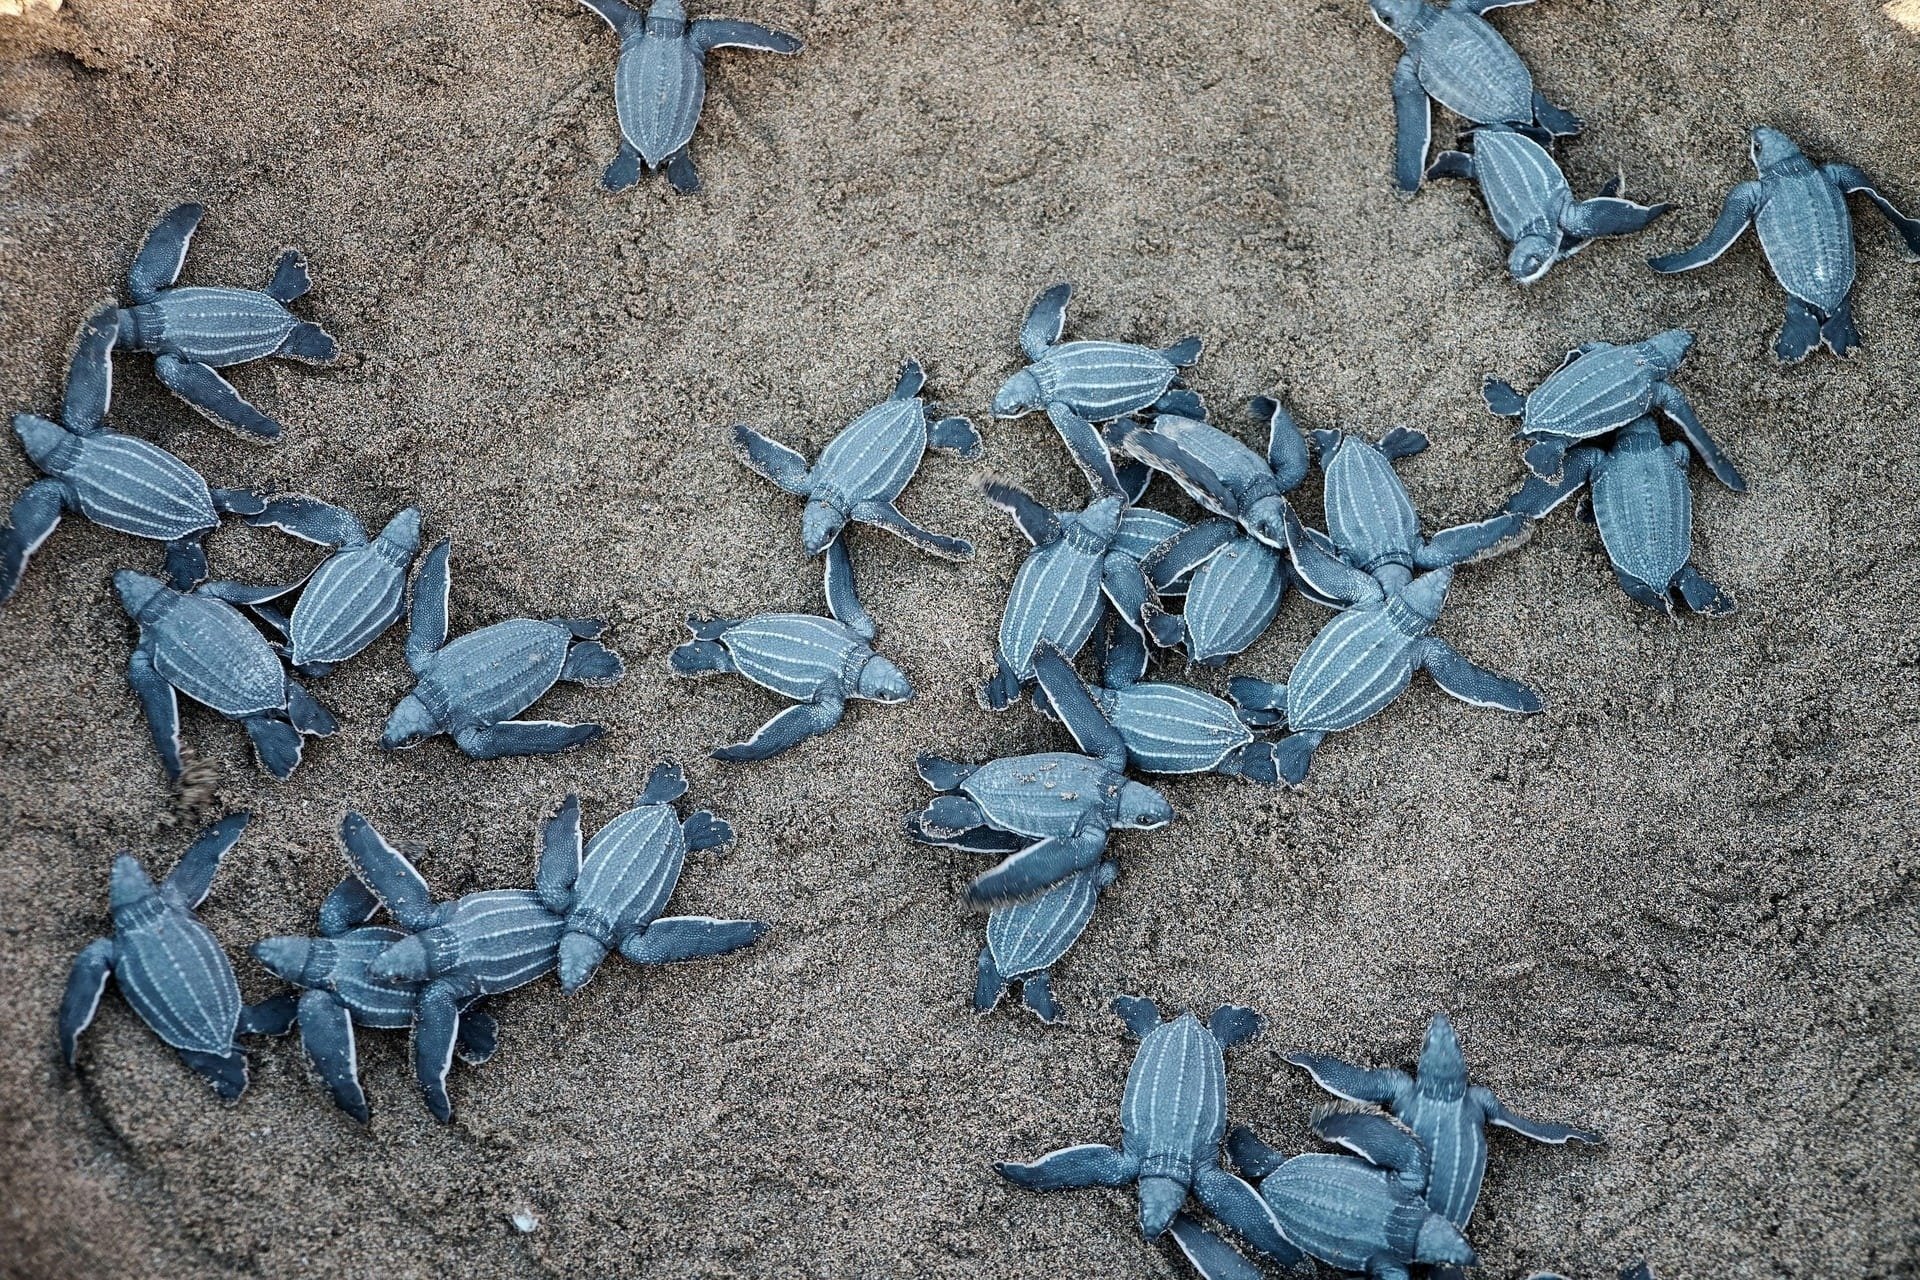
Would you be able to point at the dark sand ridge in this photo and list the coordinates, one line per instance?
(1679, 906)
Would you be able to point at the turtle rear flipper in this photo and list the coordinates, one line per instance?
(524, 738)
(226, 1072)
(704, 831)
(942, 774)
(161, 705)
(592, 664)
(290, 279)
(1182, 402)
(787, 730)
(624, 171)
(955, 435)
(1799, 334)
(1546, 458)
(214, 397)
(326, 1034)
(1501, 399)
(1293, 755)
(1002, 689)
(1557, 121)
(307, 715)
(1036, 993)
(436, 1025)
(1185, 352)
(35, 515)
(478, 1038)
(989, 984)
(1700, 593)
(681, 174)
(309, 344)
(673, 939)
(274, 1016)
(701, 657)
(1837, 330)
(276, 742)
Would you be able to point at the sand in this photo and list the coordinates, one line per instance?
(1679, 906)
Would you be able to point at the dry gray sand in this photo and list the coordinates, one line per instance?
(1680, 905)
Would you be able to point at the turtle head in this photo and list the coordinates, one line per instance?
(409, 724)
(1532, 254)
(1397, 16)
(1770, 147)
(137, 590)
(1669, 347)
(408, 960)
(1142, 808)
(403, 531)
(1101, 520)
(1440, 1241)
(1426, 595)
(881, 681)
(44, 440)
(1441, 1062)
(305, 962)
(1160, 1198)
(1017, 395)
(820, 524)
(580, 955)
(130, 884)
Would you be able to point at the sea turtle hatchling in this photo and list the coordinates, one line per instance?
(1050, 811)
(1083, 383)
(1799, 211)
(623, 879)
(1532, 203)
(1446, 1112)
(193, 330)
(197, 643)
(660, 83)
(1219, 472)
(1168, 728)
(355, 594)
(472, 686)
(170, 968)
(1364, 1212)
(1026, 939)
(819, 662)
(118, 482)
(1172, 1117)
(338, 994)
(1641, 501)
(1454, 57)
(1601, 387)
(863, 470)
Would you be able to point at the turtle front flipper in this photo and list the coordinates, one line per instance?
(1046, 320)
(1539, 1130)
(1377, 1139)
(1077, 710)
(1355, 1084)
(1742, 203)
(35, 515)
(1239, 1206)
(1475, 685)
(673, 939)
(90, 374)
(1088, 450)
(1090, 1164)
(1536, 498)
(86, 983)
(436, 1026)
(1211, 1257)
(1609, 216)
(772, 460)
(1412, 123)
(1036, 868)
(843, 599)
(161, 706)
(709, 34)
(311, 520)
(1481, 540)
(1324, 573)
(326, 1034)
(427, 619)
(1669, 400)
(787, 730)
(385, 871)
(884, 515)
(524, 738)
(226, 1072)
(214, 397)
(192, 877)
(164, 251)
(1852, 181)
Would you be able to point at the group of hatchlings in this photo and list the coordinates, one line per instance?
(1104, 574)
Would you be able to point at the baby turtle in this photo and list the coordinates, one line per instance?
(864, 469)
(1222, 474)
(1233, 584)
(472, 687)
(1601, 387)
(819, 662)
(1455, 58)
(192, 330)
(1799, 210)
(1448, 1114)
(1026, 939)
(1532, 203)
(453, 953)
(1366, 657)
(198, 644)
(1168, 728)
(356, 593)
(338, 994)
(660, 83)
(1057, 591)
(1060, 804)
(1172, 1117)
(1643, 505)
(116, 481)
(171, 970)
(1086, 382)
(624, 878)
(1364, 1212)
